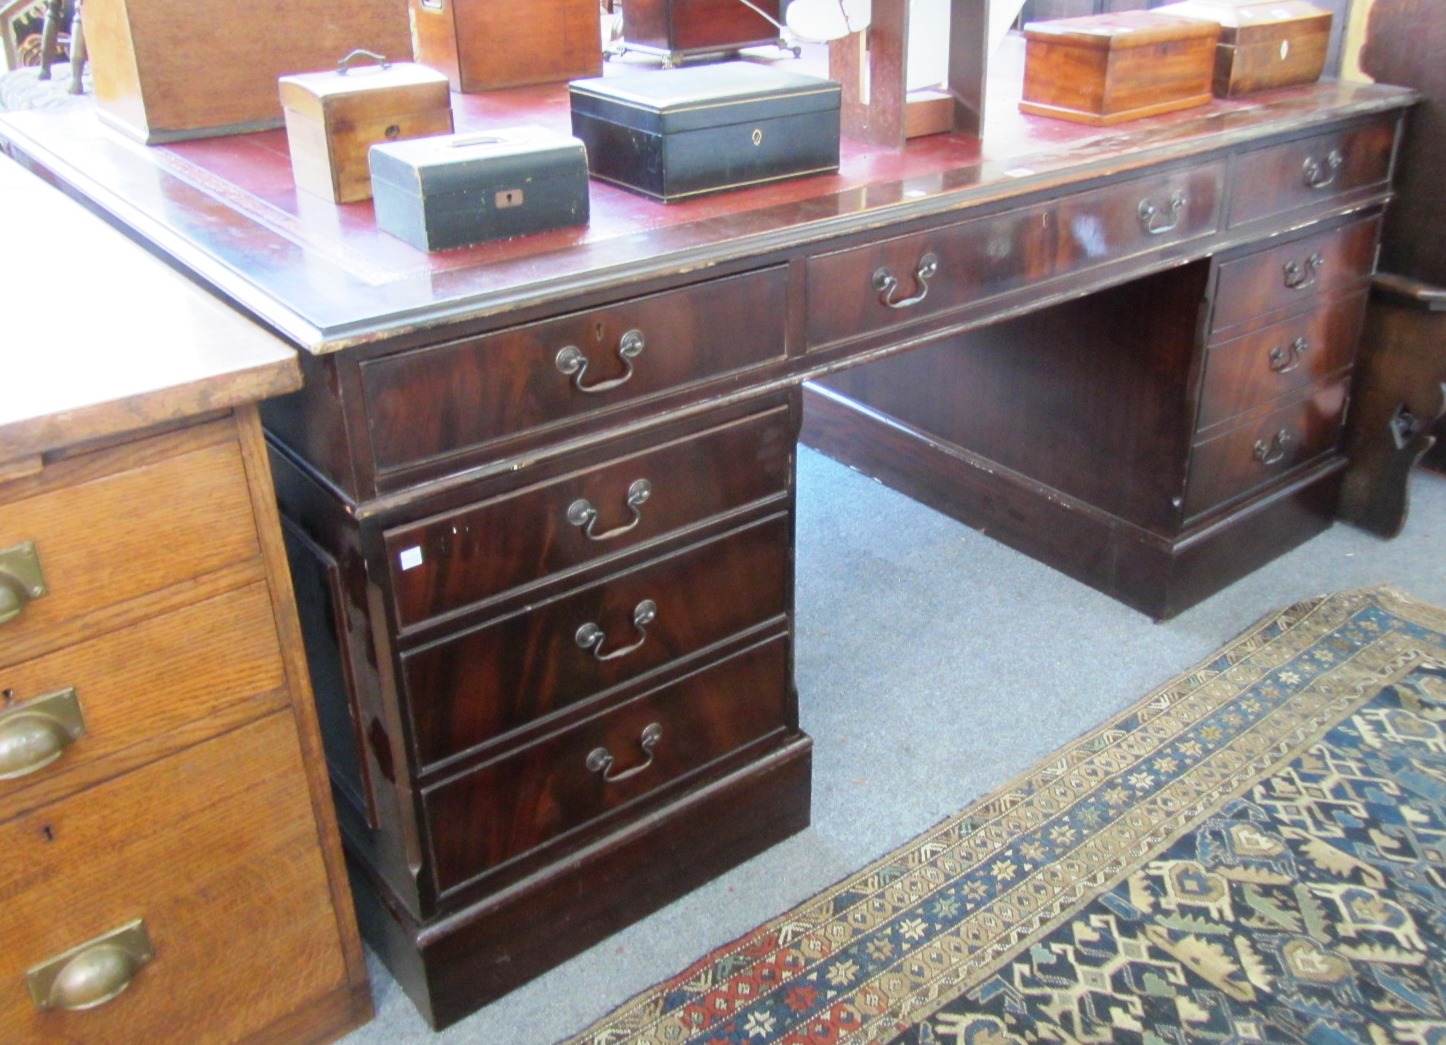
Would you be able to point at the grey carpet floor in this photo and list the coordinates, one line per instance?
(933, 665)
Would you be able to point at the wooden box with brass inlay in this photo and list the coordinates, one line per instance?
(1104, 69)
(165, 72)
(333, 118)
(1263, 43)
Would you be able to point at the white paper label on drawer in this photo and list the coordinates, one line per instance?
(410, 558)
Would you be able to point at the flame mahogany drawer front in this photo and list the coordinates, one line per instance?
(214, 850)
(571, 779)
(469, 556)
(447, 399)
(1308, 171)
(1249, 371)
(1295, 274)
(1264, 449)
(897, 281)
(474, 687)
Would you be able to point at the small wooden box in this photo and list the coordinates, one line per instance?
(1263, 43)
(676, 29)
(167, 71)
(676, 133)
(456, 190)
(482, 45)
(1104, 69)
(333, 118)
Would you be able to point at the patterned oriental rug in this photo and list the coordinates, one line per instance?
(1256, 852)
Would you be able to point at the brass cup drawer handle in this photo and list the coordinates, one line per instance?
(36, 733)
(1285, 358)
(1152, 218)
(600, 760)
(21, 579)
(592, 638)
(1321, 173)
(93, 973)
(885, 282)
(1274, 451)
(582, 514)
(1300, 276)
(571, 362)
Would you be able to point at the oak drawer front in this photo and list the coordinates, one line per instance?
(572, 778)
(442, 400)
(896, 281)
(1311, 171)
(468, 556)
(214, 849)
(1250, 370)
(477, 686)
(114, 535)
(129, 690)
(1264, 450)
(1293, 274)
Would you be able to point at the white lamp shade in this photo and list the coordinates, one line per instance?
(818, 21)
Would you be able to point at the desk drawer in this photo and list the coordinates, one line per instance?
(103, 536)
(1265, 450)
(1250, 370)
(442, 400)
(471, 555)
(1293, 274)
(901, 280)
(573, 778)
(214, 848)
(131, 689)
(1309, 171)
(473, 687)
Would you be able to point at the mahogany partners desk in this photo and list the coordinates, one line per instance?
(539, 494)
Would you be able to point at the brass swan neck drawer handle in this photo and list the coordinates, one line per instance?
(1321, 174)
(885, 282)
(1156, 222)
(574, 364)
(37, 732)
(1300, 276)
(1273, 452)
(1285, 358)
(600, 760)
(592, 638)
(93, 973)
(21, 579)
(581, 512)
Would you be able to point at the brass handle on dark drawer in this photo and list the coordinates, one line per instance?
(1273, 452)
(1149, 213)
(885, 282)
(600, 760)
(1298, 277)
(36, 733)
(21, 579)
(573, 363)
(591, 637)
(582, 513)
(1285, 358)
(93, 973)
(1321, 174)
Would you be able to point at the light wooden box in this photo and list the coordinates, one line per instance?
(334, 118)
(482, 45)
(1263, 43)
(1104, 69)
(168, 71)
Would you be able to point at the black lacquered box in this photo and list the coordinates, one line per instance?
(675, 133)
(454, 190)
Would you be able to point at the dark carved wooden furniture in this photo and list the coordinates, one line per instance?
(539, 494)
(1402, 380)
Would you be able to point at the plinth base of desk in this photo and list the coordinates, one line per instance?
(457, 963)
(1159, 576)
